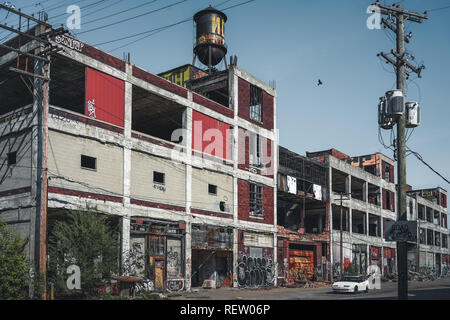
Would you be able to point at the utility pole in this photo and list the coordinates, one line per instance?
(42, 50)
(400, 62)
(341, 233)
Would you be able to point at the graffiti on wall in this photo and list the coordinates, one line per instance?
(255, 271)
(173, 259)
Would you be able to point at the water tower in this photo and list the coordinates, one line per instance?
(210, 47)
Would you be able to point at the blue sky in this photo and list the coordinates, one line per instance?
(296, 43)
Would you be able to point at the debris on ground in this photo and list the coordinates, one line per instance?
(421, 276)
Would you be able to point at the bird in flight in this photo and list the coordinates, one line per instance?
(319, 83)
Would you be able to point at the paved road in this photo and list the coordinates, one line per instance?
(428, 290)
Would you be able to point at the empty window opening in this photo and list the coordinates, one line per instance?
(357, 189)
(337, 218)
(255, 103)
(374, 225)
(288, 214)
(429, 215)
(339, 181)
(430, 237)
(314, 220)
(12, 158)
(373, 194)
(157, 116)
(437, 239)
(14, 93)
(359, 224)
(68, 85)
(212, 189)
(158, 177)
(422, 236)
(88, 162)
(421, 212)
(256, 200)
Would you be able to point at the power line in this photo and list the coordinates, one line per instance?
(151, 32)
(117, 13)
(132, 18)
(418, 156)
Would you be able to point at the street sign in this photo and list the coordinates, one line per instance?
(401, 231)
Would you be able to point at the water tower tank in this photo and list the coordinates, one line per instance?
(210, 45)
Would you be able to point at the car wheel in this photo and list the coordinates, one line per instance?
(355, 290)
(367, 290)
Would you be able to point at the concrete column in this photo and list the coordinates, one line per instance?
(126, 218)
(366, 192)
(188, 239)
(235, 257)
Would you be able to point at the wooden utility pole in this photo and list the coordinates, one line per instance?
(400, 62)
(43, 49)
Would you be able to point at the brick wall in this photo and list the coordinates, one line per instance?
(267, 113)
(244, 203)
(244, 99)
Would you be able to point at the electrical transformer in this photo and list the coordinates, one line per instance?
(412, 117)
(383, 120)
(395, 103)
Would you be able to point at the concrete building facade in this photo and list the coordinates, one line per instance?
(186, 171)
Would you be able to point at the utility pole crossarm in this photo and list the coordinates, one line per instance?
(399, 10)
(391, 61)
(390, 26)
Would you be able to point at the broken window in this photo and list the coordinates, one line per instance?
(212, 189)
(256, 199)
(255, 103)
(12, 158)
(88, 162)
(436, 217)
(158, 177)
(255, 150)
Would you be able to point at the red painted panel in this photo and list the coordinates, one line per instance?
(105, 97)
(210, 135)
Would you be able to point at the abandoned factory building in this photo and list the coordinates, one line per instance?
(186, 165)
(184, 168)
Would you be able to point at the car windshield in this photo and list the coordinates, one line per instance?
(352, 279)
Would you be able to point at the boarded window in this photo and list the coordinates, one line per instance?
(158, 177)
(88, 162)
(256, 200)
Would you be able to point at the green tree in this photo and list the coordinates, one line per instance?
(85, 239)
(14, 277)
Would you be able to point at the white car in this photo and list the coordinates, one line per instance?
(352, 284)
